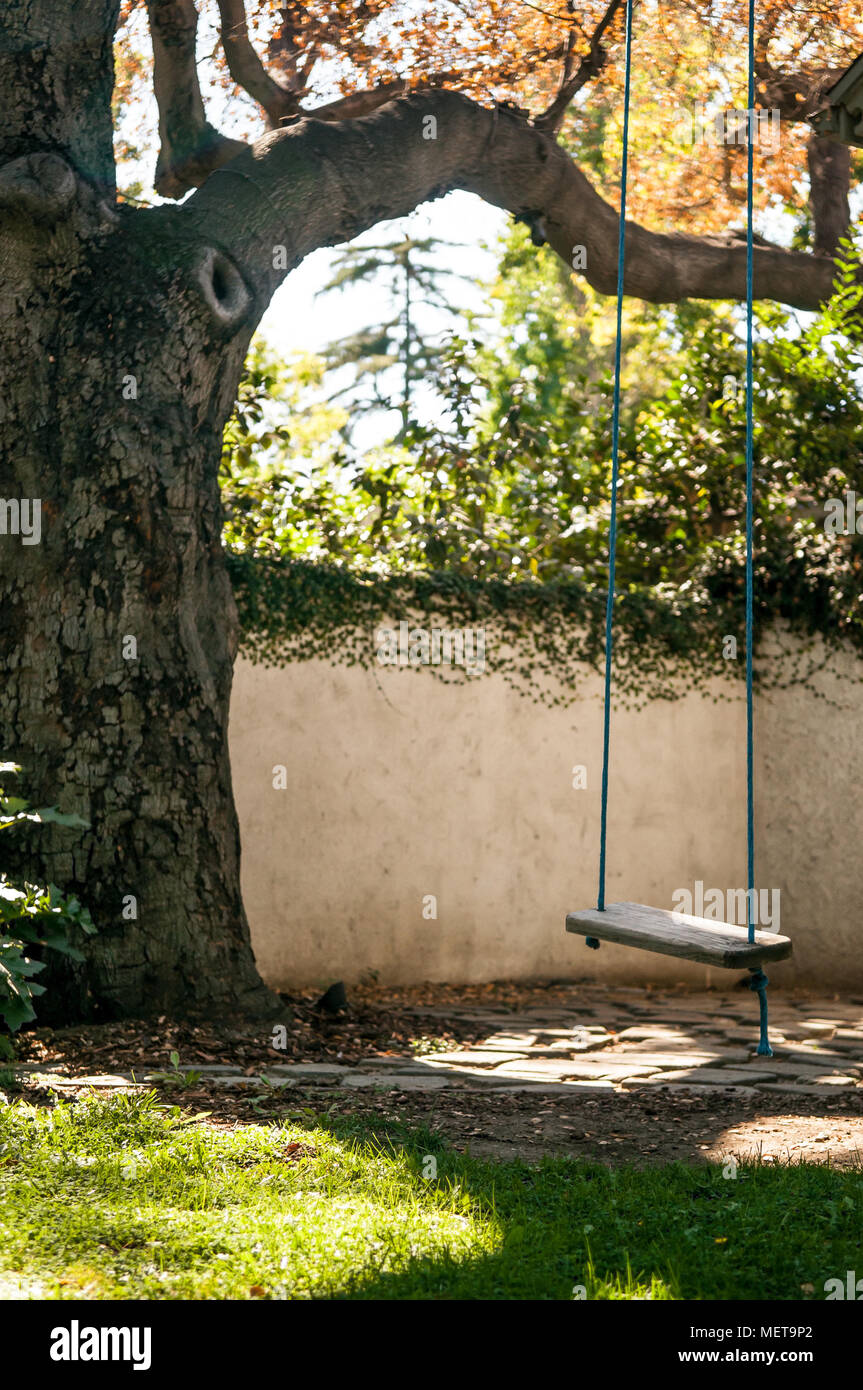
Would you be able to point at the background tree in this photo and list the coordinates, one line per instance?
(126, 327)
(512, 477)
(409, 272)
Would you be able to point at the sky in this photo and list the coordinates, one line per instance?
(299, 318)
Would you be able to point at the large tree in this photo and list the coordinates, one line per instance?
(125, 328)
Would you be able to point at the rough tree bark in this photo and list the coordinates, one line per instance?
(122, 345)
(122, 339)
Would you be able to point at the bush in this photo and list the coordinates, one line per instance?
(32, 917)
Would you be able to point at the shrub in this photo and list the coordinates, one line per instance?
(33, 917)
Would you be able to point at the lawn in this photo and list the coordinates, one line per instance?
(126, 1197)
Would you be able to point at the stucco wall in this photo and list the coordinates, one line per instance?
(400, 786)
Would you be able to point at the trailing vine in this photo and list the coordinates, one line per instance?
(542, 638)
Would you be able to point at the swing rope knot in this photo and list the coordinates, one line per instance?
(592, 942)
(758, 982)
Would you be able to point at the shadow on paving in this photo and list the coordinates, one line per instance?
(486, 1080)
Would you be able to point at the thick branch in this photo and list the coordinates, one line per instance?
(365, 102)
(315, 184)
(190, 147)
(56, 77)
(800, 97)
(796, 95)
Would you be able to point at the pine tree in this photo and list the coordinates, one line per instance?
(410, 274)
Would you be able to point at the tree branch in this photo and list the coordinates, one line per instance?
(796, 95)
(365, 102)
(190, 147)
(800, 97)
(246, 68)
(318, 183)
(56, 76)
(590, 66)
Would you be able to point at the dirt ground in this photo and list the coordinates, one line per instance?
(644, 1126)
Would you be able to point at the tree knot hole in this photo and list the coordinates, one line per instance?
(225, 291)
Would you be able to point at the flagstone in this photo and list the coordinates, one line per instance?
(716, 1076)
(676, 1060)
(216, 1068)
(399, 1064)
(548, 1088)
(102, 1081)
(475, 1057)
(280, 1082)
(404, 1081)
(649, 1033)
(566, 1071)
(301, 1070)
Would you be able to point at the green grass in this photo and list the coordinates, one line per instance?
(121, 1197)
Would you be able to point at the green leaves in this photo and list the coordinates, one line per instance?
(32, 916)
(14, 809)
(507, 490)
(17, 989)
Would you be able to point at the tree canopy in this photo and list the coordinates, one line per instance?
(540, 70)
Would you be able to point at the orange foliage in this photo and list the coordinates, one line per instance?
(686, 52)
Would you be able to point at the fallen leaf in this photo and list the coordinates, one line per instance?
(295, 1151)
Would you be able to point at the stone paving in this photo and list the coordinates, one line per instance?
(614, 1039)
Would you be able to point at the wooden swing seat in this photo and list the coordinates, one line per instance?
(675, 934)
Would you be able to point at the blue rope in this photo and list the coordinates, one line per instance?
(750, 451)
(615, 472)
(758, 982)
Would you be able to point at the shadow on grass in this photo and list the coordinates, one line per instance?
(568, 1229)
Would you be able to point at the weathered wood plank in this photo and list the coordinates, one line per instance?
(675, 934)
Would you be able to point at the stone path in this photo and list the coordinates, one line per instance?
(616, 1039)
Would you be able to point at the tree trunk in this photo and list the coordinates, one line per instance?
(121, 345)
(119, 626)
(830, 182)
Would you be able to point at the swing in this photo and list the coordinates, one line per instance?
(631, 924)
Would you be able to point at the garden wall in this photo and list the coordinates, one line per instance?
(406, 795)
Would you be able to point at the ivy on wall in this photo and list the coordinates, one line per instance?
(543, 638)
